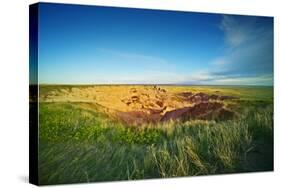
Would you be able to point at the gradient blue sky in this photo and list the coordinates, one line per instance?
(104, 45)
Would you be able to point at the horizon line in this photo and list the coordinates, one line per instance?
(118, 84)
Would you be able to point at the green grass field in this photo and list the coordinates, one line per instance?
(78, 144)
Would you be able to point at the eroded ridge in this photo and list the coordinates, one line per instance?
(160, 106)
(147, 104)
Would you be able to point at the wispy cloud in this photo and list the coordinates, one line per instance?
(236, 32)
(248, 56)
(247, 59)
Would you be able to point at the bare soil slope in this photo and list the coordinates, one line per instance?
(146, 104)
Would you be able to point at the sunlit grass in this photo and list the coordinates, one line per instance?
(80, 145)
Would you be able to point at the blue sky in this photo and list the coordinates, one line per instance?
(104, 45)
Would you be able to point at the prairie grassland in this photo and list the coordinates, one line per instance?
(81, 141)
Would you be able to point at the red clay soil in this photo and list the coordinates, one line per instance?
(138, 117)
(205, 107)
(203, 97)
(204, 111)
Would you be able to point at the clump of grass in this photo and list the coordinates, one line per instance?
(83, 146)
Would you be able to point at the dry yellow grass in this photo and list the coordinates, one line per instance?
(121, 98)
(145, 103)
